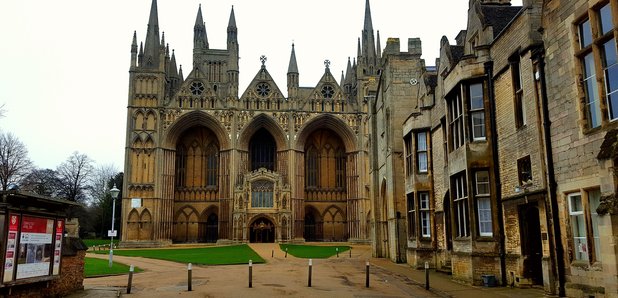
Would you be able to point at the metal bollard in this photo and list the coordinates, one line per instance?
(250, 273)
(131, 269)
(272, 253)
(309, 280)
(367, 274)
(337, 250)
(286, 252)
(350, 251)
(426, 275)
(189, 277)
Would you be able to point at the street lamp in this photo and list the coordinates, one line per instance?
(114, 193)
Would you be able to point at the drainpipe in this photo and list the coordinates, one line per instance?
(538, 54)
(376, 178)
(489, 65)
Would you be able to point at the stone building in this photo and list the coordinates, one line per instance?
(510, 173)
(496, 164)
(204, 164)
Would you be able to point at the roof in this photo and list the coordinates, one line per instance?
(25, 197)
(457, 52)
(499, 16)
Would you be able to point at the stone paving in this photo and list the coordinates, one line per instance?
(287, 276)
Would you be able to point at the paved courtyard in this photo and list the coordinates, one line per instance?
(281, 276)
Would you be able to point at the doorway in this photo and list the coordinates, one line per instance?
(531, 245)
(262, 231)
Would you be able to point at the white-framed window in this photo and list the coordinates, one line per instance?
(597, 46)
(582, 210)
(460, 205)
(424, 211)
(421, 152)
(477, 111)
(483, 203)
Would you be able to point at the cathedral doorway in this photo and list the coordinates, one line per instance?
(262, 230)
(531, 243)
(313, 225)
(212, 228)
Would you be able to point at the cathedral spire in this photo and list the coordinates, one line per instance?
(134, 50)
(200, 38)
(368, 26)
(293, 67)
(232, 32)
(152, 45)
(293, 81)
(368, 42)
(378, 47)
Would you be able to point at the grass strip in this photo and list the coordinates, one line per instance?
(98, 267)
(217, 255)
(313, 251)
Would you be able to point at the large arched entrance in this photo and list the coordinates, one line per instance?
(262, 230)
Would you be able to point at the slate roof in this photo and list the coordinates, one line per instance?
(457, 52)
(499, 16)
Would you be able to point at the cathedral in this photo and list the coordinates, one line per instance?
(497, 165)
(207, 162)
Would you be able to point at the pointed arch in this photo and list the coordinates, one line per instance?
(327, 121)
(266, 122)
(139, 120)
(133, 225)
(150, 120)
(313, 224)
(334, 224)
(145, 230)
(185, 224)
(192, 119)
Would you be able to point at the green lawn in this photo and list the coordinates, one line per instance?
(313, 251)
(218, 255)
(96, 267)
(96, 242)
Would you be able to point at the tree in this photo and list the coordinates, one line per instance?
(44, 182)
(14, 161)
(100, 187)
(75, 174)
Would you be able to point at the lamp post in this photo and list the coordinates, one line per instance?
(114, 194)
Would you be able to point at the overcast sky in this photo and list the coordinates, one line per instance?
(64, 71)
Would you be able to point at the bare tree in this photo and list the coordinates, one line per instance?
(14, 161)
(2, 111)
(100, 187)
(75, 174)
(44, 182)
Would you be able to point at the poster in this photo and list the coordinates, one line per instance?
(35, 247)
(58, 247)
(9, 258)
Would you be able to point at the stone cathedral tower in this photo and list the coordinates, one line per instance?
(204, 164)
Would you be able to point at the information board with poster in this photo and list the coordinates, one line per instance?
(58, 246)
(9, 257)
(35, 247)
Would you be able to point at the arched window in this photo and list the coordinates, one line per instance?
(312, 167)
(262, 149)
(262, 194)
(340, 168)
(197, 159)
(181, 165)
(212, 164)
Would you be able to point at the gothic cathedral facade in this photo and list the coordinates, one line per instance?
(203, 164)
